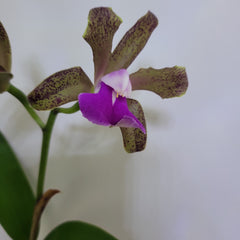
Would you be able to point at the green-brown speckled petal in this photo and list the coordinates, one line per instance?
(5, 51)
(4, 81)
(60, 88)
(134, 139)
(132, 43)
(102, 25)
(166, 82)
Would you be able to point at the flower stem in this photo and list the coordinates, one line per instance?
(23, 99)
(47, 131)
(69, 110)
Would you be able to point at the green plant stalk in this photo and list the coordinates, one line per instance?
(47, 131)
(69, 110)
(23, 99)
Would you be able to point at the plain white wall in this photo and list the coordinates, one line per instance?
(185, 185)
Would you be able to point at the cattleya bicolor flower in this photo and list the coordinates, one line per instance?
(5, 60)
(108, 101)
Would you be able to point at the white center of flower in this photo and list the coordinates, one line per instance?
(119, 81)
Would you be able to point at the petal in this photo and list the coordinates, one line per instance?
(5, 51)
(133, 138)
(132, 43)
(60, 88)
(4, 81)
(119, 81)
(97, 107)
(166, 82)
(102, 25)
(122, 117)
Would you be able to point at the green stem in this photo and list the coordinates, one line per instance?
(70, 110)
(47, 131)
(23, 99)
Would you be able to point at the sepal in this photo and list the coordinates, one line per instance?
(102, 25)
(166, 82)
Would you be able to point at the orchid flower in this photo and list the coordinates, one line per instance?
(107, 102)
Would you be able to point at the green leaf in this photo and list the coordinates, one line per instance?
(5, 51)
(132, 43)
(16, 197)
(134, 139)
(4, 81)
(60, 88)
(76, 230)
(102, 25)
(166, 82)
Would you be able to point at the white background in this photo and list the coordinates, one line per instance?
(186, 184)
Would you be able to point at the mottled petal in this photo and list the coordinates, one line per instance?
(166, 82)
(132, 43)
(4, 81)
(60, 88)
(97, 107)
(5, 51)
(133, 138)
(119, 81)
(102, 25)
(122, 117)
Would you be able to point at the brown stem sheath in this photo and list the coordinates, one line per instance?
(38, 210)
